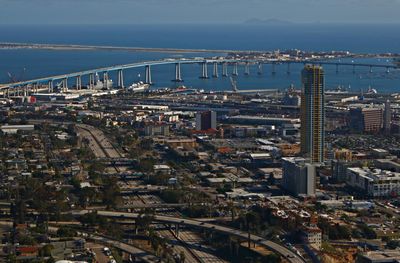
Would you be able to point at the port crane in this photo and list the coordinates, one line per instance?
(14, 78)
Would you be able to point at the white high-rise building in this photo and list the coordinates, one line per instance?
(299, 176)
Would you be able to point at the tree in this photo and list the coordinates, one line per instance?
(232, 209)
(92, 219)
(65, 231)
(367, 231)
(393, 244)
(95, 168)
(144, 220)
(45, 251)
(110, 192)
(87, 195)
(146, 144)
(182, 257)
(271, 179)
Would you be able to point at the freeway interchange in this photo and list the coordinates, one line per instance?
(279, 249)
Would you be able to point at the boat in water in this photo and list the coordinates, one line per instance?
(371, 91)
(138, 87)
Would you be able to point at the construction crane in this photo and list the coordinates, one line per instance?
(233, 84)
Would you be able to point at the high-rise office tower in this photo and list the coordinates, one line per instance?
(313, 113)
(206, 120)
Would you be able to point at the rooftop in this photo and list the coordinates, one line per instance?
(375, 174)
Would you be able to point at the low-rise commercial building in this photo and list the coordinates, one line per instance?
(386, 256)
(374, 182)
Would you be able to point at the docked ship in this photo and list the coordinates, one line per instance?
(138, 87)
(101, 85)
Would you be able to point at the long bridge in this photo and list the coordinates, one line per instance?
(32, 86)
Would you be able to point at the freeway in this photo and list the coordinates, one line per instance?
(93, 145)
(102, 141)
(279, 249)
(136, 252)
(99, 144)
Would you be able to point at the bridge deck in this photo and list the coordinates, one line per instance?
(46, 80)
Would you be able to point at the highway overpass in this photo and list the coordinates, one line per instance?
(278, 249)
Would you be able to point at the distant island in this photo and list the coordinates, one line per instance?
(270, 21)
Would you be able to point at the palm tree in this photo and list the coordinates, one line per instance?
(144, 220)
(232, 209)
(252, 223)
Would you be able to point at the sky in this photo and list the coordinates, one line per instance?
(196, 11)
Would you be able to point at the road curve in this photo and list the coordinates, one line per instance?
(281, 250)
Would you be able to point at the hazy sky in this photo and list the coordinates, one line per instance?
(195, 11)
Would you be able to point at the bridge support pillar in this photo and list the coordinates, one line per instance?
(370, 69)
(224, 69)
(148, 79)
(247, 69)
(204, 70)
(35, 88)
(105, 80)
(50, 86)
(288, 69)
(235, 69)
(65, 84)
(178, 74)
(260, 68)
(387, 70)
(215, 70)
(337, 68)
(91, 81)
(121, 79)
(78, 83)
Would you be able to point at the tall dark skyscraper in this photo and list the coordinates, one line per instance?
(313, 113)
(206, 120)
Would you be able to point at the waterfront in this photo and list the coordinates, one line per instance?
(40, 63)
